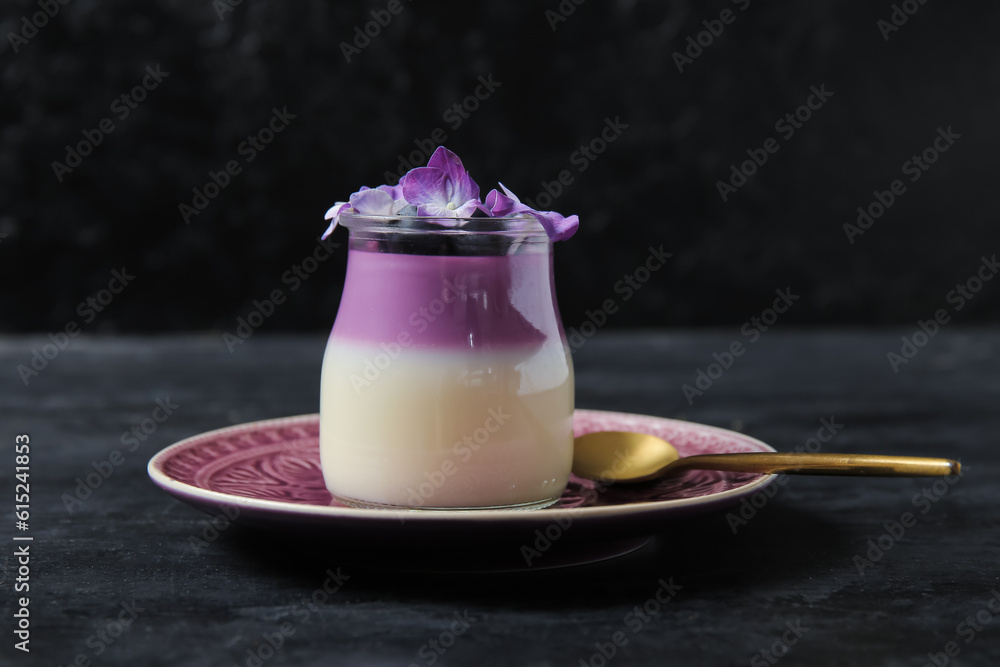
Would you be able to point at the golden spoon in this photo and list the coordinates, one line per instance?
(619, 456)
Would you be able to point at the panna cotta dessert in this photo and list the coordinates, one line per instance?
(447, 381)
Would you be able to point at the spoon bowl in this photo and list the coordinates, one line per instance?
(621, 456)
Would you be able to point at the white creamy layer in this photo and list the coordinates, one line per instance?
(425, 428)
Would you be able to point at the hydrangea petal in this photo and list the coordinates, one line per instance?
(373, 202)
(461, 187)
(333, 214)
(449, 163)
(394, 191)
(425, 186)
(497, 204)
(435, 210)
(464, 190)
(465, 209)
(509, 194)
(557, 227)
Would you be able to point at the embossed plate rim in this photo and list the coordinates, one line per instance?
(190, 493)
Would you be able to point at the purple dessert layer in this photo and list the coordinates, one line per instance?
(434, 301)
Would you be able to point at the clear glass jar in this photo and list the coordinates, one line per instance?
(447, 381)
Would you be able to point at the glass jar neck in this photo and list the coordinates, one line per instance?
(447, 236)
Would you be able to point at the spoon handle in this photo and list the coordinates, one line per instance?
(867, 465)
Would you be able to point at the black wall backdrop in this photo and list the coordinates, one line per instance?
(687, 104)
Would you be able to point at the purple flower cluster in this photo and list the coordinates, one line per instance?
(443, 189)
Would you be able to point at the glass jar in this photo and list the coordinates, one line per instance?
(447, 380)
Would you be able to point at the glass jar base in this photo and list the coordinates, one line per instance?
(367, 504)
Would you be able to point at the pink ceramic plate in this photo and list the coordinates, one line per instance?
(267, 474)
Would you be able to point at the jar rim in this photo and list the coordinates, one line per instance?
(520, 225)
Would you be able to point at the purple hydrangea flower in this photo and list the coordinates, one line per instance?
(383, 200)
(499, 204)
(443, 188)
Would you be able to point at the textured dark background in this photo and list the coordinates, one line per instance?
(654, 185)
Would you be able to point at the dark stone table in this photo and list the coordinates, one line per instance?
(830, 571)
